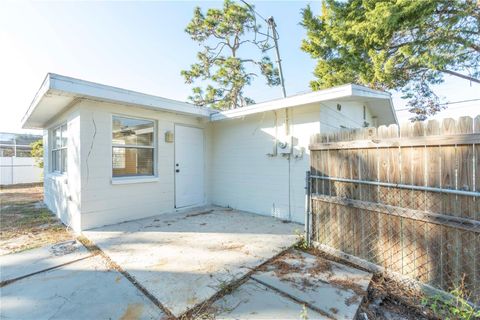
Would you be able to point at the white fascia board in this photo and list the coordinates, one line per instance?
(36, 100)
(361, 91)
(348, 90)
(57, 85)
(85, 89)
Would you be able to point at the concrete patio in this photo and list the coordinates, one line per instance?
(183, 259)
(167, 266)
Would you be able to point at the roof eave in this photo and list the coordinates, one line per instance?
(42, 91)
(65, 86)
(348, 90)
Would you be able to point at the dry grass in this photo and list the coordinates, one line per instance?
(25, 223)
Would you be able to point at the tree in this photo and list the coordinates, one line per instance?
(37, 152)
(405, 45)
(222, 33)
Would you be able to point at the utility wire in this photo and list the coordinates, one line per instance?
(445, 104)
(254, 11)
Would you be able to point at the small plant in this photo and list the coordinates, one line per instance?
(456, 307)
(224, 286)
(302, 243)
(304, 313)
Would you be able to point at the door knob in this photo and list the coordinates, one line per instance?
(178, 170)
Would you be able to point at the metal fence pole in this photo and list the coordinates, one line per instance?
(307, 207)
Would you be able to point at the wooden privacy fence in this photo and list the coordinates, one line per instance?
(406, 199)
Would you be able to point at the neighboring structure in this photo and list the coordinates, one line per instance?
(114, 155)
(16, 163)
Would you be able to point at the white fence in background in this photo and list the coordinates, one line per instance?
(15, 170)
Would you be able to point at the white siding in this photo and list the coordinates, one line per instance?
(106, 203)
(245, 178)
(238, 173)
(62, 191)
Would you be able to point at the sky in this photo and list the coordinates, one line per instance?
(142, 46)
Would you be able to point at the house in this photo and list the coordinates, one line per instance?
(113, 155)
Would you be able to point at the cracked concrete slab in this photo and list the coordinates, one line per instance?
(85, 289)
(183, 259)
(331, 288)
(253, 300)
(16, 265)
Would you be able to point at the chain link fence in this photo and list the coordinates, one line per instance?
(406, 200)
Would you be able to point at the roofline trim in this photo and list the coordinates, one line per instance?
(303, 99)
(67, 86)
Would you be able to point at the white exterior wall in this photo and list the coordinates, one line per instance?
(62, 191)
(245, 178)
(238, 173)
(106, 203)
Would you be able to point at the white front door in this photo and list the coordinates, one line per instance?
(189, 166)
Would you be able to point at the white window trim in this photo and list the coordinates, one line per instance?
(139, 178)
(60, 172)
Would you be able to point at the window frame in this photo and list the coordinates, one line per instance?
(154, 147)
(62, 148)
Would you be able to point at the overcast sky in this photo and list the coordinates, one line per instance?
(142, 46)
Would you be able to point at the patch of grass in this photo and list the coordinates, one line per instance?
(25, 223)
(456, 307)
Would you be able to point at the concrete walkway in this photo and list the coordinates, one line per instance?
(294, 284)
(76, 285)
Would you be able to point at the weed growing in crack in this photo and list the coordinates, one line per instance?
(304, 313)
(302, 243)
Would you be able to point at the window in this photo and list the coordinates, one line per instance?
(133, 147)
(59, 148)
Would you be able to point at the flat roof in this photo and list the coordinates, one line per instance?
(379, 101)
(58, 92)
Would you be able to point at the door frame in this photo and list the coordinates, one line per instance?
(175, 124)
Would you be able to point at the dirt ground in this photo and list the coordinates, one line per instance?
(25, 222)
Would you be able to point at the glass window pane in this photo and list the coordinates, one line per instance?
(64, 130)
(118, 158)
(56, 160)
(132, 131)
(132, 162)
(63, 155)
(56, 138)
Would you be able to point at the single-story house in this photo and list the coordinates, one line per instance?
(113, 155)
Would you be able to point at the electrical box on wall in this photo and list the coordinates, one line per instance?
(284, 146)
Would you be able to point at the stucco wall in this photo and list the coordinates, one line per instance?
(245, 178)
(104, 202)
